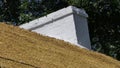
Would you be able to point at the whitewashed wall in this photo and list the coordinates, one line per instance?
(68, 24)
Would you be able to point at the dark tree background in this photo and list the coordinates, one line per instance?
(9, 10)
(104, 18)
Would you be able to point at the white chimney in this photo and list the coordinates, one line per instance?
(68, 24)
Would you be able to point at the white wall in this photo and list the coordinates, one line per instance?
(62, 29)
(68, 24)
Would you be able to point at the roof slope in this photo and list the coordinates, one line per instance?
(24, 49)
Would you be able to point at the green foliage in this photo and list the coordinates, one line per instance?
(9, 10)
(17, 12)
(25, 17)
(25, 14)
